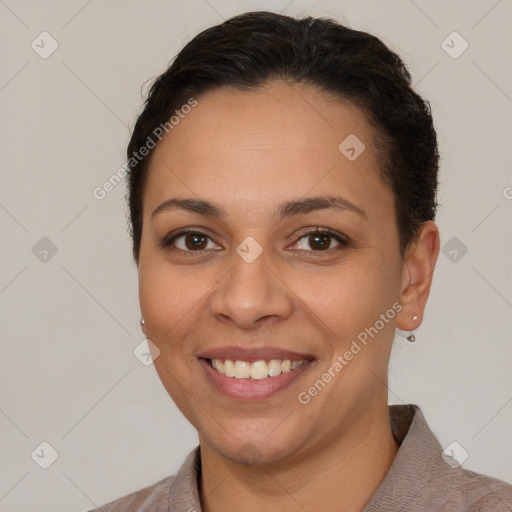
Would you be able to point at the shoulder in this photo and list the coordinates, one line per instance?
(423, 477)
(154, 498)
(477, 492)
(177, 492)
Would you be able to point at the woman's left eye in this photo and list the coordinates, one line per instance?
(320, 240)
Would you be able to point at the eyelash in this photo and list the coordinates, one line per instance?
(169, 239)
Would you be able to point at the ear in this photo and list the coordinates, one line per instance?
(417, 273)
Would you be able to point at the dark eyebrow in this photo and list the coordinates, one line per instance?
(309, 204)
(287, 209)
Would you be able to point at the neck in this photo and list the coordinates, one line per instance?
(342, 475)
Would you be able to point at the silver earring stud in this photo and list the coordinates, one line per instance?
(142, 321)
(411, 338)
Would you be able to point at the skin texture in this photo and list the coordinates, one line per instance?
(248, 152)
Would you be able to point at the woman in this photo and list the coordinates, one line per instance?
(283, 180)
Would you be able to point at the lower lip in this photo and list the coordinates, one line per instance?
(252, 389)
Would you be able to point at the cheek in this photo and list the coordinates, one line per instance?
(170, 302)
(349, 297)
(169, 299)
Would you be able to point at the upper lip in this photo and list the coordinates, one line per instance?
(252, 354)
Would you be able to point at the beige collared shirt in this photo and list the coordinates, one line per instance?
(419, 480)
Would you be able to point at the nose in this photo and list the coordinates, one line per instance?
(251, 294)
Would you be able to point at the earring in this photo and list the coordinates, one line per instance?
(403, 334)
(142, 321)
(411, 338)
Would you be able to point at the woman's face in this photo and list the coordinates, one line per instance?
(258, 282)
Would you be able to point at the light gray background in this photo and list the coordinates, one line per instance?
(69, 325)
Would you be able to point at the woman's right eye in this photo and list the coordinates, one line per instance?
(188, 240)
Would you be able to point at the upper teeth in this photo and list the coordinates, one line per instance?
(256, 370)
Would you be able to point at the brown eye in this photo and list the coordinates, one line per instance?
(195, 241)
(318, 240)
(188, 241)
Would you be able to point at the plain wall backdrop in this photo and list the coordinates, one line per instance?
(70, 89)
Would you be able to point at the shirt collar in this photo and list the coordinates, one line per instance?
(418, 455)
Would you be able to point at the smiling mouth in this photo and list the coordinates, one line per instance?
(257, 379)
(253, 372)
(256, 370)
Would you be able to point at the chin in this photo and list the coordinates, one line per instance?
(249, 446)
(256, 453)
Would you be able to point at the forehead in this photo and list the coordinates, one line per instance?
(260, 146)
